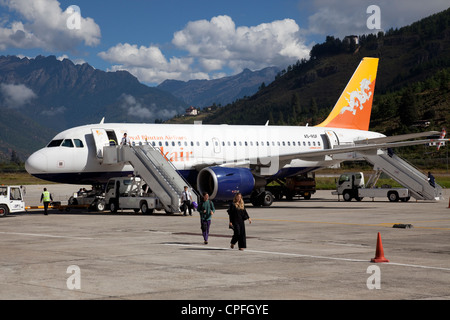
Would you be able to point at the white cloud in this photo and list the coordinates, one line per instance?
(136, 109)
(45, 26)
(212, 46)
(219, 42)
(16, 95)
(54, 111)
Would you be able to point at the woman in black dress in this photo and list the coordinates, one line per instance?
(238, 215)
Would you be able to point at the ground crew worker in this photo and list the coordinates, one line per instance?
(46, 198)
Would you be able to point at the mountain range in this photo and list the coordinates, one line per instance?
(42, 96)
(203, 93)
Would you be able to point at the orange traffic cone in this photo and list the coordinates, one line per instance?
(379, 254)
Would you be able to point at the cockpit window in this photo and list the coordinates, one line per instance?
(67, 143)
(54, 143)
(78, 143)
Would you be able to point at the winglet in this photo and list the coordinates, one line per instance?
(353, 109)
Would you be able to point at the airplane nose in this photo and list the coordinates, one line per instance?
(36, 163)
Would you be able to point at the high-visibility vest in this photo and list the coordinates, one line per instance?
(46, 196)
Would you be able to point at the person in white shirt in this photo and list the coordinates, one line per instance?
(186, 198)
(125, 140)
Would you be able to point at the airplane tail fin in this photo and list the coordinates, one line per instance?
(353, 109)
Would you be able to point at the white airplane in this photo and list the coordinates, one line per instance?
(224, 159)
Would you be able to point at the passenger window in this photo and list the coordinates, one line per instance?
(78, 143)
(67, 143)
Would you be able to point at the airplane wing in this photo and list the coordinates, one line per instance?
(356, 148)
(397, 138)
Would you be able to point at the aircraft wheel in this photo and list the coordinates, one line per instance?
(267, 199)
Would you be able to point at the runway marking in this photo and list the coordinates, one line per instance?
(44, 235)
(307, 256)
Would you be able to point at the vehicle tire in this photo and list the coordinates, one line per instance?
(307, 196)
(113, 207)
(393, 196)
(100, 205)
(267, 199)
(145, 209)
(3, 210)
(347, 195)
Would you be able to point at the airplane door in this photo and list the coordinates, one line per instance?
(330, 139)
(101, 140)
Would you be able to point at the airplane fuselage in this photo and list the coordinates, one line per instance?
(72, 155)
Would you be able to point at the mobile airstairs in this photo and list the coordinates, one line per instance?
(405, 174)
(155, 169)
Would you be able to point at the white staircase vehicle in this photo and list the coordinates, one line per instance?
(153, 167)
(405, 174)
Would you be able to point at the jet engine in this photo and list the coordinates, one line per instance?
(222, 183)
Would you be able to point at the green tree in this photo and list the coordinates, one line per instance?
(408, 111)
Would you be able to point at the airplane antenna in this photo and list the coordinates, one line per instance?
(102, 121)
(267, 123)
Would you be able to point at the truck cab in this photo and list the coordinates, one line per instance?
(11, 200)
(348, 185)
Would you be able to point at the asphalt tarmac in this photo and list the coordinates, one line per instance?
(318, 249)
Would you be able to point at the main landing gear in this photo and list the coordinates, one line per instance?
(264, 199)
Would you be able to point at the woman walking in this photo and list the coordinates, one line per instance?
(238, 215)
(206, 210)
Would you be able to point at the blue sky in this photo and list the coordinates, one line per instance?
(197, 39)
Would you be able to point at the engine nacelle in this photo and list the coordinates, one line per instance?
(222, 183)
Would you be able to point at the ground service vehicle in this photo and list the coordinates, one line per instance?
(92, 199)
(11, 200)
(130, 193)
(290, 187)
(351, 186)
